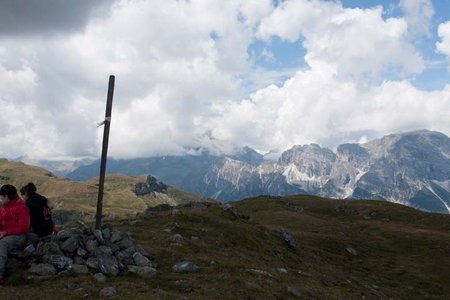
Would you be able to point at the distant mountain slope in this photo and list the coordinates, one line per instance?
(411, 168)
(65, 195)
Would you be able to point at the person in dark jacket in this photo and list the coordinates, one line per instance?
(14, 223)
(40, 214)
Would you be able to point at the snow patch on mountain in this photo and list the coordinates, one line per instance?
(294, 176)
(443, 184)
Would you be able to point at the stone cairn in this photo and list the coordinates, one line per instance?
(83, 250)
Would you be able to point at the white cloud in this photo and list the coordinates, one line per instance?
(180, 67)
(418, 15)
(171, 60)
(319, 107)
(444, 46)
(353, 41)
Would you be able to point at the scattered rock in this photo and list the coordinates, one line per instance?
(288, 239)
(108, 292)
(176, 238)
(100, 277)
(252, 285)
(294, 207)
(140, 260)
(352, 251)
(146, 272)
(185, 266)
(294, 292)
(235, 212)
(72, 286)
(304, 274)
(368, 215)
(260, 272)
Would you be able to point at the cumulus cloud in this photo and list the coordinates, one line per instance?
(444, 45)
(418, 15)
(179, 69)
(172, 61)
(316, 106)
(353, 41)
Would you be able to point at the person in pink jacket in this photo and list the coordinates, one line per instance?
(14, 223)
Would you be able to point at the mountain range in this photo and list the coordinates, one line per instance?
(410, 168)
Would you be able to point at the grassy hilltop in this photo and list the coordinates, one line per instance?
(81, 197)
(345, 250)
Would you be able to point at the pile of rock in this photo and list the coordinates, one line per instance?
(84, 250)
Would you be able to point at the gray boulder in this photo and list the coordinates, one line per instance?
(99, 236)
(49, 248)
(71, 244)
(185, 266)
(288, 239)
(42, 269)
(146, 272)
(100, 277)
(92, 262)
(141, 260)
(108, 292)
(60, 262)
(79, 269)
(106, 261)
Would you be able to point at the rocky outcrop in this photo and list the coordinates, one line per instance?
(151, 185)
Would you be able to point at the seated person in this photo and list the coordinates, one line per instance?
(40, 214)
(14, 223)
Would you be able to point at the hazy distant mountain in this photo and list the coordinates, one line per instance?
(57, 167)
(410, 168)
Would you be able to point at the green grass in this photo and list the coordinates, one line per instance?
(402, 254)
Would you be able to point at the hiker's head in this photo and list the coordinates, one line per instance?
(28, 190)
(8, 191)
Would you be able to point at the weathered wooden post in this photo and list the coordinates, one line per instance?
(107, 123)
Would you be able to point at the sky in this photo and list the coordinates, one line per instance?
(218, 75)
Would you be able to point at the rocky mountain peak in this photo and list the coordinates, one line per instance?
(298, 154)
(248, 155)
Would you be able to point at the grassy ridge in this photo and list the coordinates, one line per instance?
(402, 253)
(81, 197)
